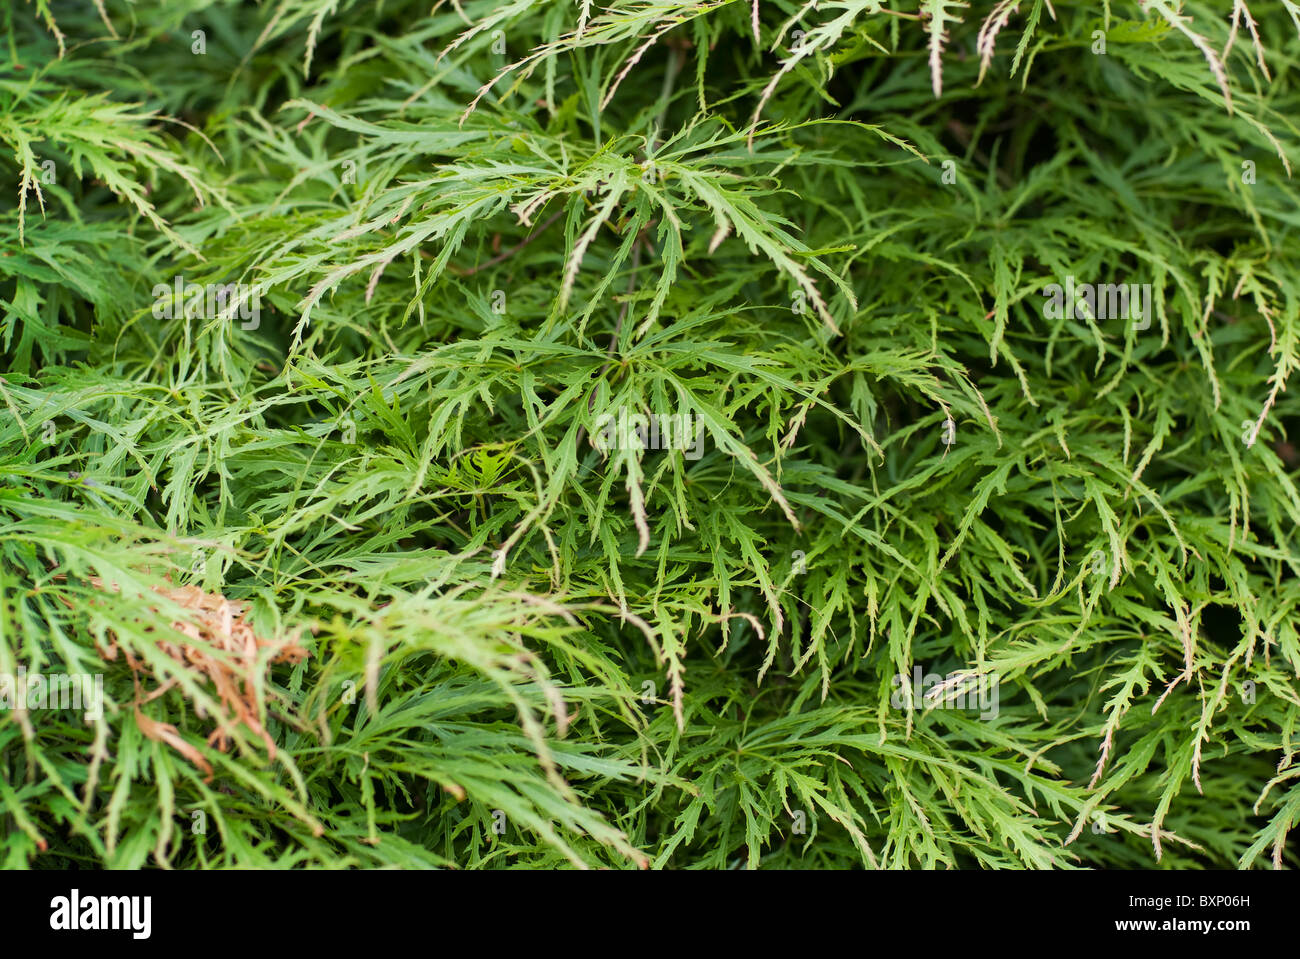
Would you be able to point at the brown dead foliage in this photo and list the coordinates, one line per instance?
(216, 625)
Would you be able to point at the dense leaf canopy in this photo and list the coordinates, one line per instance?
(960, 336)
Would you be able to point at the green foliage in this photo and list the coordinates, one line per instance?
(477, 235)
